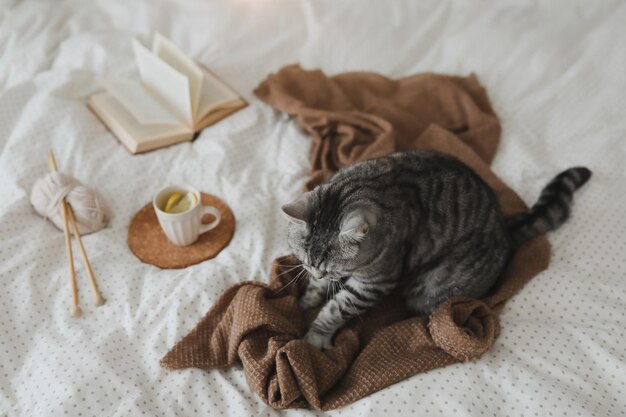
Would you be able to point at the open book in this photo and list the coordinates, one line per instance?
(174, 99)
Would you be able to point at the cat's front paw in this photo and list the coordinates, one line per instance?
(319, 340)
(306, 303)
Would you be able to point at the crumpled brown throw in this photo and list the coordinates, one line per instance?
(351, 117)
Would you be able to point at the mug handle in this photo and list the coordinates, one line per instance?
(209, 210)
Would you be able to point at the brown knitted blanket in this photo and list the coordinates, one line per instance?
(351, 117)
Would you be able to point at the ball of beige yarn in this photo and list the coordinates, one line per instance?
(91, 211)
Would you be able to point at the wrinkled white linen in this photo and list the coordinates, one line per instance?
(556, 75)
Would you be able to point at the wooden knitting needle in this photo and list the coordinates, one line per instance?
(97, 297)
(76, 310)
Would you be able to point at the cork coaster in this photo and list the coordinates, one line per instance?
(148, 242)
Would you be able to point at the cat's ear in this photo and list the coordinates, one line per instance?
(357, 225)
(299, 210)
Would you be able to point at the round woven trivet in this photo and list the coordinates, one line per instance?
(148, 242)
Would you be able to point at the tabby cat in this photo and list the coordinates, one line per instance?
(420, 221)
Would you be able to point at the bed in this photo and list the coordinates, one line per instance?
(556, 75)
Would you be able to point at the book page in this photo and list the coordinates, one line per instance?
(168, 52)
(169, 84)
(214, 93)
(136, 137)
(144, 107)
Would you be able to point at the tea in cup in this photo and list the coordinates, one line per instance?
(180, 213)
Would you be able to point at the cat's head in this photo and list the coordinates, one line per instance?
(332, 239)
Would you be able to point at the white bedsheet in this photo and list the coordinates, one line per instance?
(556, 75)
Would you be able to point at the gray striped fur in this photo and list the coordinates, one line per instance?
(418, 221)
(553, 207)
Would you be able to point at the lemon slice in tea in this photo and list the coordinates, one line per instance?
(172, 201)
(183, 204)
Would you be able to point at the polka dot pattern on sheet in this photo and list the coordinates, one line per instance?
(555, 76)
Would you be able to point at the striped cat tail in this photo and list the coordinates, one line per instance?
(552, 209)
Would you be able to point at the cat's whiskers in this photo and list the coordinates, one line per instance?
(288, 270)
(335, 295)
(289, 264)
(292, 281)
(289, 283)
(327, 288)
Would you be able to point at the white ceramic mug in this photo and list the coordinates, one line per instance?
(183, 229)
